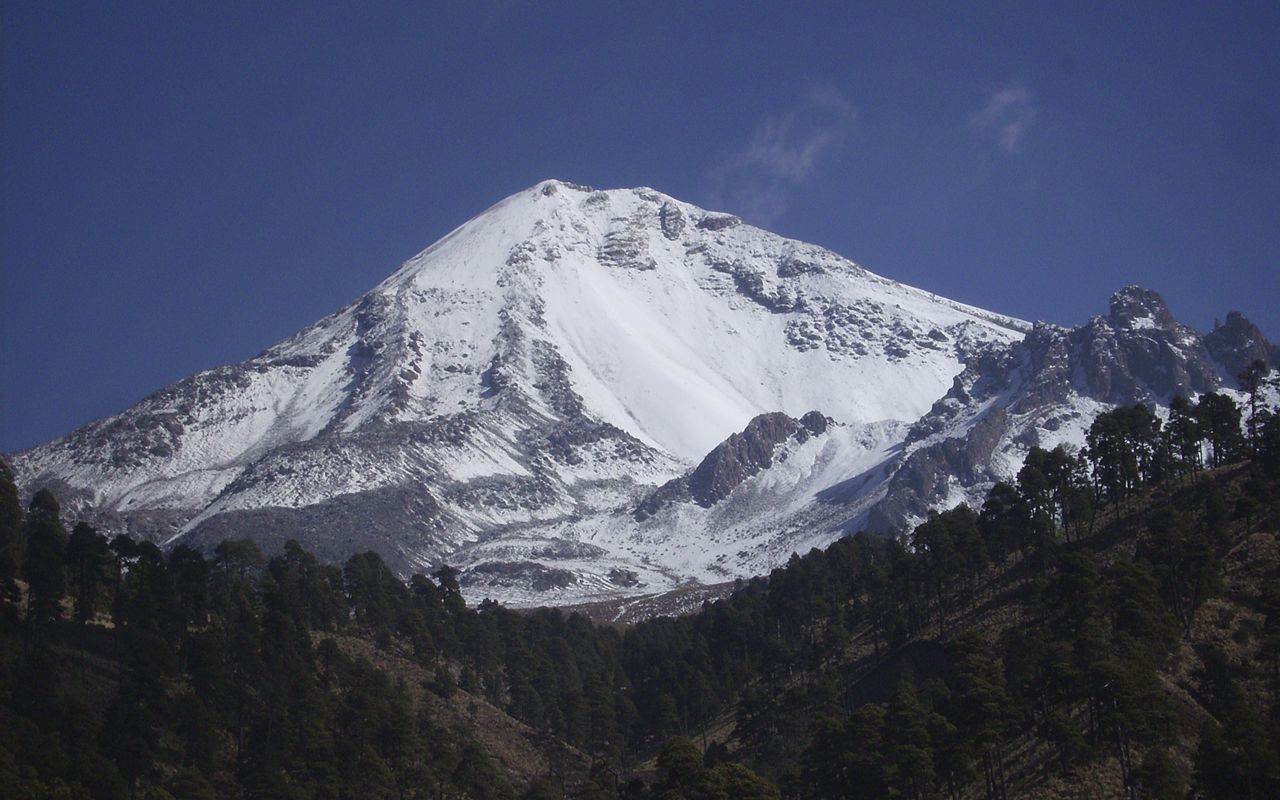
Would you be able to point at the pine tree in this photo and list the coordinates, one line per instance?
(43, 565)
(1218, 417)
(1252, 380)
(10, 534)
(90, 560)
(1185, 436)
(909, 751)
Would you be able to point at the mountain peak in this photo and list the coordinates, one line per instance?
(1238, 342)
(545, 364)
(1136, 307)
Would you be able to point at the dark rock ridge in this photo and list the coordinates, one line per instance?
(733, 461)
(536, 576)
(1139, 353)
(397, 522)
(718, 222)
(1238, 343)
(476, 406)
(672, 220)
(1011, 399)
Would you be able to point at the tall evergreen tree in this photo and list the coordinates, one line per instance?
(10, 534)
(909, 751)
(43, 564)
(1251, 381)
(1218, 418)
(1185, 437)
(90, 560)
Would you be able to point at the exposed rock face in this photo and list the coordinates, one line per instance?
(627, 247)
(744, 454)
(672, 220)
(734, 460)
(1140, 353)
(519, 573)
(1138, 308)
(1046, 389)
(1238, 343)
(751, 282)
(612, 386)
(718, 222)
(925, 479)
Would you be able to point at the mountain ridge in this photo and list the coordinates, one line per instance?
(511, 394)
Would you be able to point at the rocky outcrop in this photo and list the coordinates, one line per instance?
(672, 220)
(1140, 353)
(718, 222)
(1010, 399)
(625, 248)
(522, 574)
(1237, 343)
(927, 475)
(752, 283)
(735, 460)
(744, 454)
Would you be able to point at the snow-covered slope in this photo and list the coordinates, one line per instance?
(1046, 390)
(555, 358)
(576, 393)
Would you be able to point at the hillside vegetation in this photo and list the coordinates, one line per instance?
(1107, 625)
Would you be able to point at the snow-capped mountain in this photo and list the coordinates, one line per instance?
(1047, 389)
(581, 393)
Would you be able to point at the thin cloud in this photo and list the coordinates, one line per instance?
(784, 150)
(1006, 118)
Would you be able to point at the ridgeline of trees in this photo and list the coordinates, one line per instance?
(936, 664)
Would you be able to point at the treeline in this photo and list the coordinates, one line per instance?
(1081, 671)
(134, 673)
(127, 671)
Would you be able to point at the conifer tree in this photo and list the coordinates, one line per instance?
(1218, 418)
(1251, 381)
(43, 565)
(1185, 436)
(90, 560)
(10, 534)
(907, 734)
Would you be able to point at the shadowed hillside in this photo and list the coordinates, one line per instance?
(1107, 624)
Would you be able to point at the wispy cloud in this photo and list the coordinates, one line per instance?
(1006, 118)
(784, 150)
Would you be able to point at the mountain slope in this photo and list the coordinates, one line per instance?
(585, 393)
(1045, 391)
(557, 356)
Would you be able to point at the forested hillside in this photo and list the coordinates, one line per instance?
(1108, 624)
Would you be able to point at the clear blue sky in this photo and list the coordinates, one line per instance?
(183, 184)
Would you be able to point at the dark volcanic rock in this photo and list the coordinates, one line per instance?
(518, 573)
(623, 577)
(393, 522)
(734, 460)
(1012, 398)
(926, 474)
(739, 457)
(1137, 307)
(1140, 353)
(778, 298)
(673, 491)
(718, 222)
(672, 220)
(1238, 343)
(744, 454)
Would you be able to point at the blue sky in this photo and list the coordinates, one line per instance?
(181, 185)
